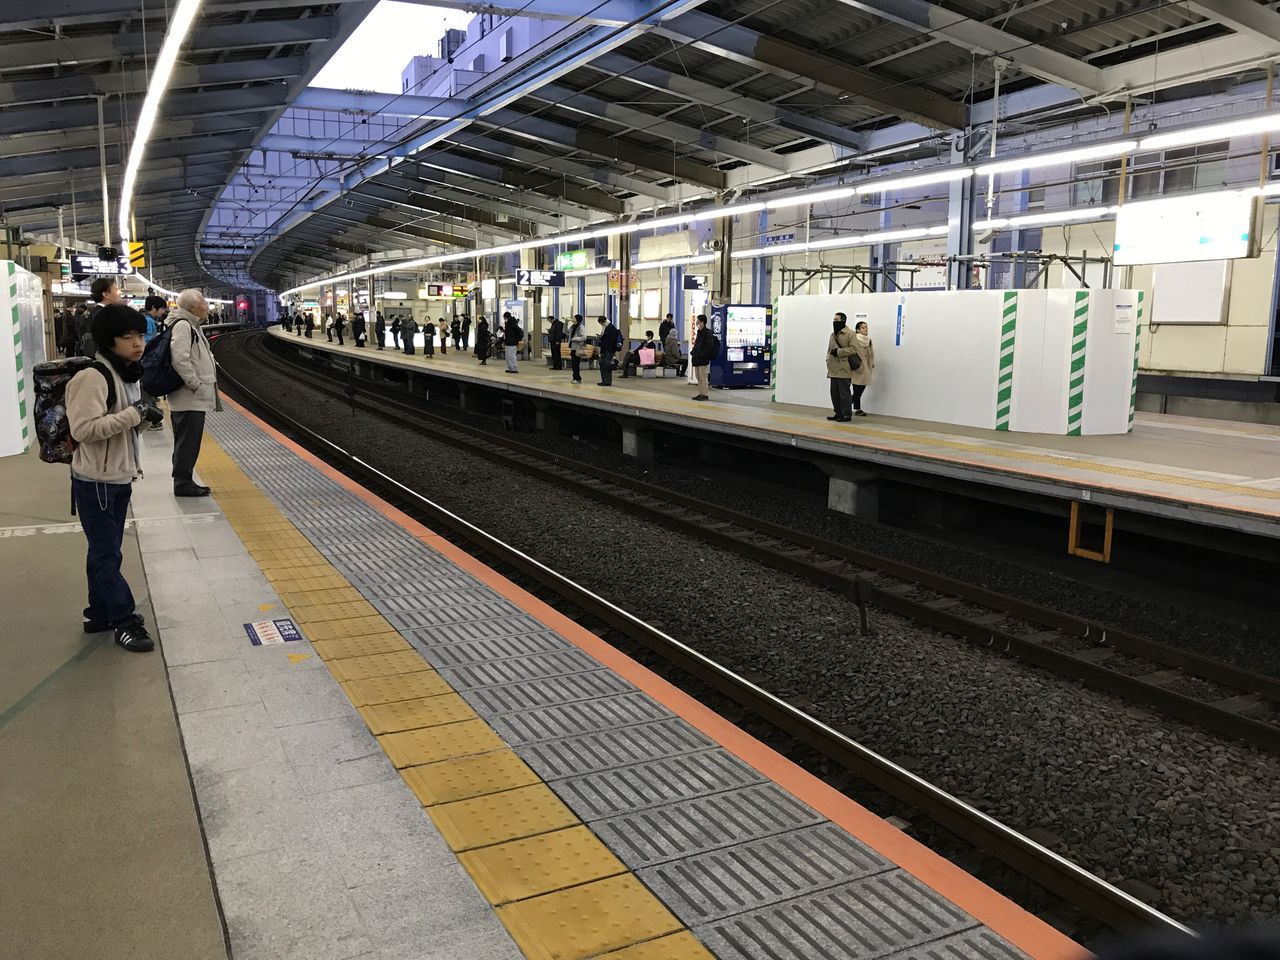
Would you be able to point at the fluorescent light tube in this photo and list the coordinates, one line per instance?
(184, 15)
(1246, 126)
(916, 180)
(821, 196)
(1033, 219)
(1097, 151)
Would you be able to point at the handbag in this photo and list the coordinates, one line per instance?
(855, 362)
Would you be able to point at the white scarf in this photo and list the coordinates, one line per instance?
(863, 339)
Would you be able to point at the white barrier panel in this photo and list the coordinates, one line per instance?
(1040, 361)
(21, 348)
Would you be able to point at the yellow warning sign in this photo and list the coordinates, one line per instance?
(138, 254)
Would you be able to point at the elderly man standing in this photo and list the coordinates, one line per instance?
(192, 359)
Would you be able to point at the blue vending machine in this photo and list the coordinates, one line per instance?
(745, 331)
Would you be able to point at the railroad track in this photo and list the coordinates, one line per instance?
(1100, 900)
(1208, 693)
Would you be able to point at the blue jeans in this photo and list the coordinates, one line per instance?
(102, 508)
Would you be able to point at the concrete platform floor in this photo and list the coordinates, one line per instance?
(101, 852)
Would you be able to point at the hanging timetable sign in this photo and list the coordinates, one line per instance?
(695, 282)
(540, 278)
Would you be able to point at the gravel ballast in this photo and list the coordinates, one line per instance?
(1131, 795)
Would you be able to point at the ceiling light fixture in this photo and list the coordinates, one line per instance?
(1097, 151)
(184, 15)
(926, 179)
(1246, 126)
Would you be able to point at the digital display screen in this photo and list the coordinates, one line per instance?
(1216, 226)
(736, 354)
(575, 260)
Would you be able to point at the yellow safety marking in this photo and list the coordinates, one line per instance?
(365, 646)
(497, 817)
(678, 946)
(264, 607)
(379, 665)
(412, 747)
(519, 841)
(337, 610)
(405, 686)
(355, 627)
(468, 777)
(587, 921)
(536, 865)
(413, 714)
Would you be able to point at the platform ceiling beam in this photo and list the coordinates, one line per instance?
(744, 45)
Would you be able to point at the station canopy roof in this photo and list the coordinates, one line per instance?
(253, 178)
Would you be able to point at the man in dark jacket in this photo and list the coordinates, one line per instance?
(610, 340)
(358, 329)
(555, 336)
(339, 324)
(456, 329)
(665, 327)
(511, 337)
(408, 330)
(466, 333)
(703, 352)
(482, 342)
(380, 331)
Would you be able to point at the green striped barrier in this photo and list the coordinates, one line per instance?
(1004, 382)
(1075, 387)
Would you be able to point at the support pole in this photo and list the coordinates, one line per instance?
(102, 163)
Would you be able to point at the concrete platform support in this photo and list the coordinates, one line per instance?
(853, 491)
(417, 386)
(546, 419)
(637, 441)
(468, 398)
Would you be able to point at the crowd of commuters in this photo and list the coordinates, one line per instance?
(850, 360)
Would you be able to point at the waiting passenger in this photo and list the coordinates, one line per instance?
(328, 327)
(395, 331)
(428, 338)
(482, 342)
(610, 341)
(154, 311)
(408, 333)
(444, 337)
(666, 326)
(339, 324)
(104, 291)
(841, 346)
(456, 329)
(862, 376)
(192, 360)
(631, 358)
(380, 330)
(671, 351)
(577, 343)
(104, 465)
(555, 337)
(311, 325)
(705, 347)
(511, 337)
(358, 329)
(466, 333)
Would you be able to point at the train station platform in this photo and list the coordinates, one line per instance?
(1208, 473)
(391, 772)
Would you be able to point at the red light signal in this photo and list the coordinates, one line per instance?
(242, 304)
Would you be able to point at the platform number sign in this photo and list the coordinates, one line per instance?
(540, 278)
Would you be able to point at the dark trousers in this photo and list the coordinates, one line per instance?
(557, 361)
(857, 395)
(841, 403)
(382, 340)
(575, 364)
(339, 333)
(102, 508)
(408, 346)
(188, 431)
(606, 368)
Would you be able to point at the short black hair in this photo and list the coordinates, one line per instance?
(842, 316)
(702, 319)
(98, 289)
(115, 320)
(649, 334)
(155, 303)
(602, 319)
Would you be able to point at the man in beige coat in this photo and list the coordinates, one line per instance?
(840, 347)
(192, 360)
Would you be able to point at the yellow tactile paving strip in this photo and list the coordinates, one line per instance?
(558, 890)
(803, 426)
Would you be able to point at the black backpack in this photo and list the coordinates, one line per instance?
(52, 427)
(158, 376)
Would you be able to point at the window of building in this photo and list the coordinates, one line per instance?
(478, 64)
(504, 46)
(1097, 183)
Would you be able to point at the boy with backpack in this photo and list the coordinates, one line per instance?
(104, 409)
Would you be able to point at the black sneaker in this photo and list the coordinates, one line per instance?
(134, 637)
(859, 413)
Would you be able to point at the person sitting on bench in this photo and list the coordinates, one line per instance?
(671, 352)
(632, 357)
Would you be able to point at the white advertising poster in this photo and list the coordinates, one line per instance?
(1211, 226)
(22, 315)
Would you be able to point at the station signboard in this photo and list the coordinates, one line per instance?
(575, 260)
(695, 282)
(540, 278)
(84, 265)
